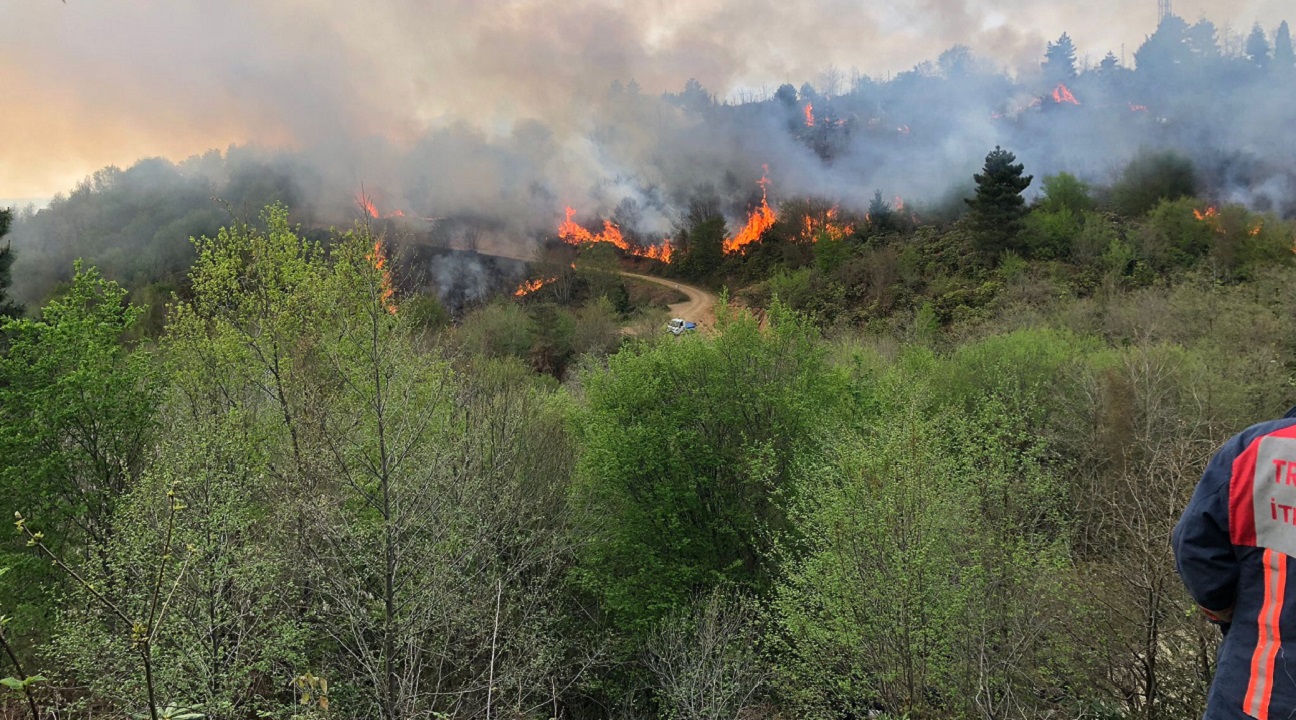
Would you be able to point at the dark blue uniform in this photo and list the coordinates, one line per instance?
(1232, 548)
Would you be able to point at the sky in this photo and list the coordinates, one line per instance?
(91, 83)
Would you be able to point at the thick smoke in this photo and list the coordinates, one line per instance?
(504, 113)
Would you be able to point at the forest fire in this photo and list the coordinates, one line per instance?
(760, 220)
(1207, 214)
(573, 234)
(1062, 94)
(530, 286)
(367, 205)
(809, 115)
(379, 260)
(825, 228)
(1137, 108)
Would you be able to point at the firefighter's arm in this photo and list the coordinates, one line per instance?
(1203, 548)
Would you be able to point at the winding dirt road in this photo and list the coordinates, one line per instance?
(700, 306)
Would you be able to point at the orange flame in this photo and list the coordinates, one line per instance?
(1061, 94)
(825, 228)
(1206, 214)
(760, 219)
(379, 260)
(573, 234)
(367, 205)
(899, 204)
(809, 115)
(531, 286)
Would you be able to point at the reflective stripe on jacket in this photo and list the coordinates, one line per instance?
(1232, 548)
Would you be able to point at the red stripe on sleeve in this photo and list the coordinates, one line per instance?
(1242, 529)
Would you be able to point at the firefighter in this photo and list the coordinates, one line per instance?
(1232, 548)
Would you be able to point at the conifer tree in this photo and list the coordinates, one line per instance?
(1284, 59)
(1257, 48)
(998, 208)
(8, 308)
(1059, 60)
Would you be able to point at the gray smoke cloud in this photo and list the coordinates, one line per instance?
(514, 109)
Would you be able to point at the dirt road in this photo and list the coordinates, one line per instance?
(699, 308)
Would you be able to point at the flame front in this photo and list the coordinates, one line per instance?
(368, 205)
(825, 228)
(760, 219)
(531, 286)
(379, 260)
(573, 234)
(1061, 94)
(809, 115)
(1207, 214)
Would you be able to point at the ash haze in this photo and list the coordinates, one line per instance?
(494, 116)
(98, 82)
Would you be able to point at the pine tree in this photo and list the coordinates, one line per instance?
(8, 308)
(1059, 60)
(1284, 59)
(998, 208)
(1257, 47)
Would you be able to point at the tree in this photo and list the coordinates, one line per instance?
(1158, 58)
(1257, 47)
(1284, 59)
(880, 215)
(787, 95)
(998, 208)
(1065, 190)
(8, 308)
(1150, 178)
(693, 450)
(1201, 40)
(1059, 60)
(702, 239)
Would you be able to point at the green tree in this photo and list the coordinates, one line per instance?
(880, 215)
(8, 308)
(76, 415)
(1065, 190)
(998, 208)
(702, 239)
(693, 449)
(1150, 178)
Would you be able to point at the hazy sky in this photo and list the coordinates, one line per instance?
(96, 82)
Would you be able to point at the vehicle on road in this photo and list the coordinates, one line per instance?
(679, 326)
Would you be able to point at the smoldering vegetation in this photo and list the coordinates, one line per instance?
(641, 158)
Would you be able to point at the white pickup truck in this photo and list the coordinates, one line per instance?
(679, 326)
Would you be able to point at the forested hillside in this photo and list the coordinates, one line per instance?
(276, 446)
(302, 498)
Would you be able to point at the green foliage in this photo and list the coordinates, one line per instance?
(8, 308)
(691, 459)
(886, 611)
(1065, 190)
(701, 241)
(501, 329)
(76, 422)
(998, 207)
(1050, 234)
(1151, 177)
